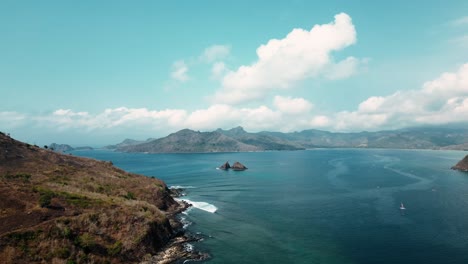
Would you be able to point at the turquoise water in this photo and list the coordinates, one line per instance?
(319, 206)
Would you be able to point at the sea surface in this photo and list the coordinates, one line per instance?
(318, 206)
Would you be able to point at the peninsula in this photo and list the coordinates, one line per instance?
(58, 208)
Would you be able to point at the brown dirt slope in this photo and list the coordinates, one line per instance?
(57, 208)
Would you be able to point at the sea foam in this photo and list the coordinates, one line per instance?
(201, 205)
(182, 187)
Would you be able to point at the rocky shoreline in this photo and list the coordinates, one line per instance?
(179, 249)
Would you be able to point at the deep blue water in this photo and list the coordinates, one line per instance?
(320, 206)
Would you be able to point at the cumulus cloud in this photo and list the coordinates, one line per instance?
(292, 105)
(179, 71)
(345, 68)
(215, 53)
(440, 101)
(300, 55)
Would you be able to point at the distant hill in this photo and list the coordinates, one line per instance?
(66, 148)
(237, 139)
(58, 208)
(410, 138)
(233, 140)
(128, 142)
(60, 147)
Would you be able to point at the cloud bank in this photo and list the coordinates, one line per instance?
(439, 101)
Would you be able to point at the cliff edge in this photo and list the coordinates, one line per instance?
(57, 208)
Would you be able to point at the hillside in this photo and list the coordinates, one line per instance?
(57, 208)
(410, 138)
(128, 142)
(188, 141)
(237, 139)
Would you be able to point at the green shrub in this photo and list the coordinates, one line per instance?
(45, 198)
(85, 241)
(19, 176)
(115, 248)
(130, 196)
(62, 253)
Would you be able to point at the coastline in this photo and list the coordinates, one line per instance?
(178, 249)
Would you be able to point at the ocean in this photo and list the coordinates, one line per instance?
(318, 206)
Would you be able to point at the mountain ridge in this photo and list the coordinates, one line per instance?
(239, 140)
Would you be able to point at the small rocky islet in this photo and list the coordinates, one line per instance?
(237, 166)
(462, 165)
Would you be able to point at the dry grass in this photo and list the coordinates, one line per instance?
(57, 208)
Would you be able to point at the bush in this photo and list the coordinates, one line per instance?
(130, 196)
(19, 176)
(62, 253)
(115, 248)
(45, 199)
(85, 241)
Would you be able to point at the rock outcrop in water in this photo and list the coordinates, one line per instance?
(225, 166)
(462, 165)
(237, 166)
(57, 208)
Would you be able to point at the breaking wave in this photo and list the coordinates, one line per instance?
(202, 206)
(182, 187)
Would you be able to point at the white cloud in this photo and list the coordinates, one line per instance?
(345, 68)
(461, 41)
(442, 100)
(320, 121)
(439, 101)
(215, 53)
(460, 21)
(281, 63)
(11, 119)
(292, 105)
(179, 71)
(218, 70)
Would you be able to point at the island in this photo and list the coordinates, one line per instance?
(237, 166)
(58, 208)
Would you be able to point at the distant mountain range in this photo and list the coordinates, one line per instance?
(238, 140)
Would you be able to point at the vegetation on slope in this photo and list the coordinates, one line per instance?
(57, 208)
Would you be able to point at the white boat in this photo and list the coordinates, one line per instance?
(402, 207)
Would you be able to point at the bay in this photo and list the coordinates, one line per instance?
(319, 206)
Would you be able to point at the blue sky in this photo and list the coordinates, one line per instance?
(96, 72)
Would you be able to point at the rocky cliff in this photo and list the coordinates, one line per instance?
(57, 208)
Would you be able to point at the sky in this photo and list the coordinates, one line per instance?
(97, 72)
